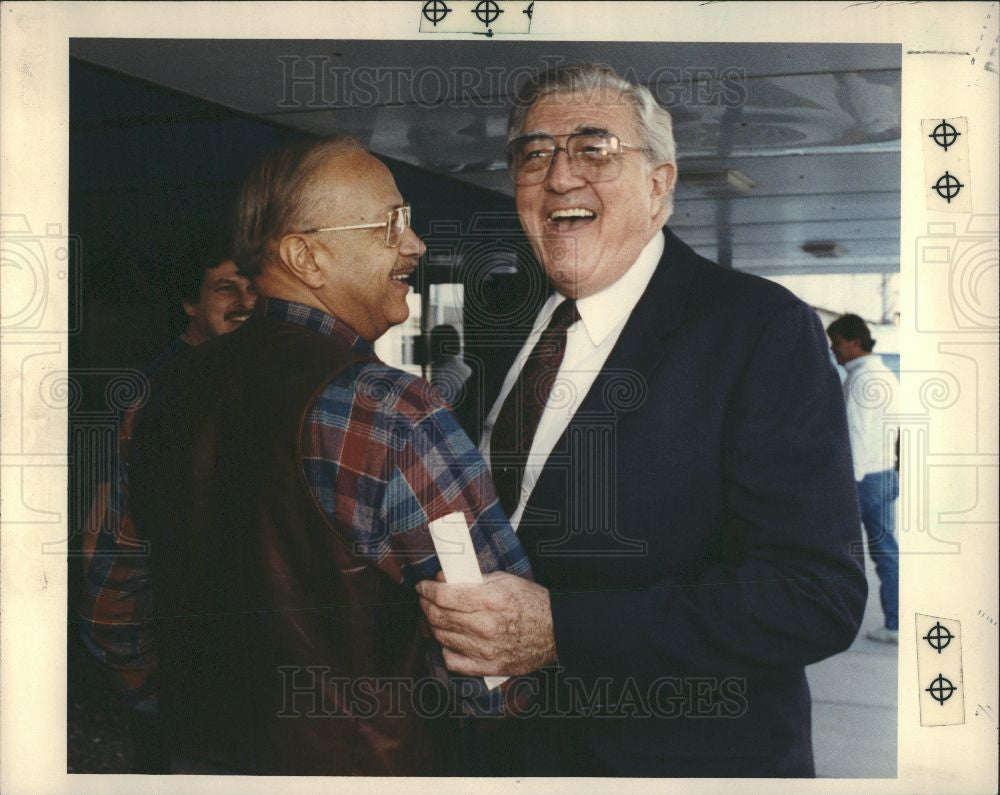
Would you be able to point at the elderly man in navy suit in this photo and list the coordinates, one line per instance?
(670, 443)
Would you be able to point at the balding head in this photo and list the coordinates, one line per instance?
(278, 193)
(323, 224)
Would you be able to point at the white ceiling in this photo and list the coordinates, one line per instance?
(816, 127)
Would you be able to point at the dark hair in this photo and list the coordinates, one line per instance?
(852, 327)
(206, 245)
(444, 341)
(274, 193)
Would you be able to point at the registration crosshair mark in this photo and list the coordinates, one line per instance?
(947, 186)
(944, 134)
(941, 689)
(938, 637)
(487, 12)
(435, 11)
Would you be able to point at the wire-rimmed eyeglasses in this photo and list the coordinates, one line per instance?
(593, 156)
(396, 222)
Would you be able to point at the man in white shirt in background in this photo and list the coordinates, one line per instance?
(870, 394)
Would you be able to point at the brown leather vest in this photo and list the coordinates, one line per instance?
(280, 650)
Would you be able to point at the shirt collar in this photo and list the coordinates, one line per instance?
(858, 362)
(604, 311)
(316, 320)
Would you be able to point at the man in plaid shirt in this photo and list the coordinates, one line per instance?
(254, 580)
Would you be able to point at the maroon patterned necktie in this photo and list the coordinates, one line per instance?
(518, 419)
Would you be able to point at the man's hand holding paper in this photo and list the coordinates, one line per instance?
(500, 628)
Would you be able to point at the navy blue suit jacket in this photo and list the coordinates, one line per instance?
(697, 525)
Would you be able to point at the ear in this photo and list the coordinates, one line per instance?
(189, 308)
(297, 259)
(663, 176)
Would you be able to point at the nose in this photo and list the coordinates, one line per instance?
(247, 297)
(560, 177)
(411, 245)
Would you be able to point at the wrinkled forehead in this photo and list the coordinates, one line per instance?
(562, 113)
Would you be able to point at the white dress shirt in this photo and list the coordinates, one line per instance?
(588, 342)
(871, 395)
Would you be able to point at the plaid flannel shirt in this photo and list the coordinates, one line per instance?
(383, 455)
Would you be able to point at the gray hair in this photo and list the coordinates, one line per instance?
(275, 195)
(654, 123)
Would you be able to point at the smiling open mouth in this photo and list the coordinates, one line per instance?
(570, 218)
(403, 277)
(237, 317)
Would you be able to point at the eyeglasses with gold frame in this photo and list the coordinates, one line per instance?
(396, 223)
